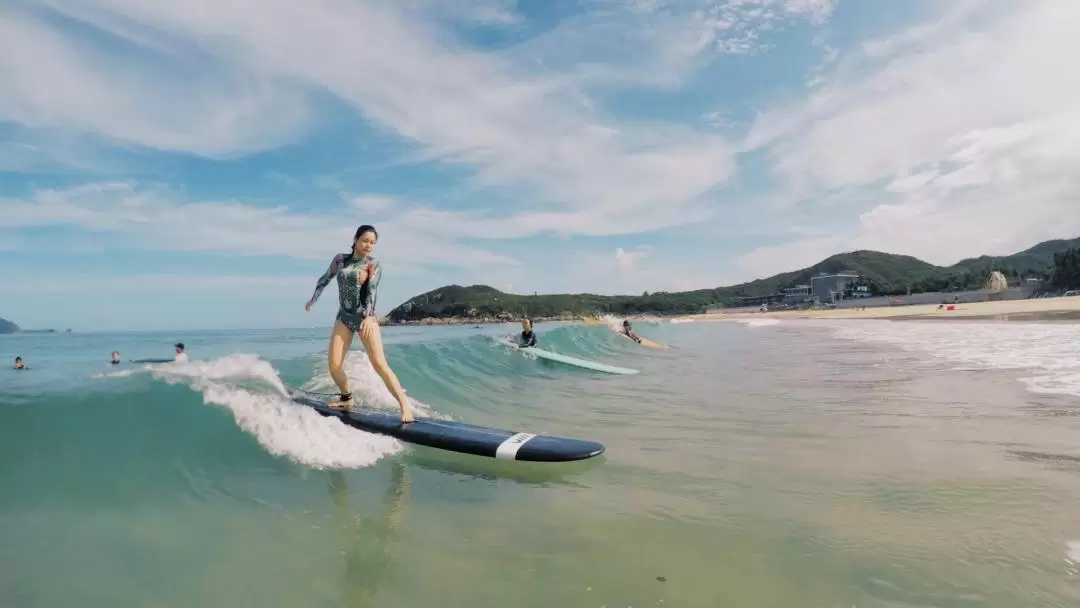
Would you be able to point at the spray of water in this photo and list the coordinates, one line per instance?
(758, 322)
(250, 388)
(366, 385)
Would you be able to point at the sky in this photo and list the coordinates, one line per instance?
(197, 164)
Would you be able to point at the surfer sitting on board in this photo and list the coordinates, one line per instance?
(629, 331)
(358, 274)
(527, 337)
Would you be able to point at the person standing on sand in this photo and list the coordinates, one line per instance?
(358, 274)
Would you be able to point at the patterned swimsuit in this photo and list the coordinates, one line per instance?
(356, 299)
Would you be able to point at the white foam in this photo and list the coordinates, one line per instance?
(1072, 552)
(758, 322)
(615, 322)
(117, 374)
(278, 424)
(365, 384)
(1044, 354)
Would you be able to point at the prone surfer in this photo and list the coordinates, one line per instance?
(629, 331)
(358, 274)
(528, 336)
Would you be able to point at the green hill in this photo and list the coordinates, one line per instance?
(884, 273)
(7, 327)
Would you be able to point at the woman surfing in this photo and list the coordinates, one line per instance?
(358, 274)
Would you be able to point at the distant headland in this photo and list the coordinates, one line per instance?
(7, 327)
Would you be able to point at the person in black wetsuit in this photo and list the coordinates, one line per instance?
(528, 336)
(629, 331)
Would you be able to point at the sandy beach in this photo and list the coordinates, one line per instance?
(1040, 309)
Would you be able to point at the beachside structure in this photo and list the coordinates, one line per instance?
(797, 294)
(831, 287)
(757, 301)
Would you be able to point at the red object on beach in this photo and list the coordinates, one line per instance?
(950, 307)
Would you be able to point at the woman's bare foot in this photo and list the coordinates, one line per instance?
(406, 413)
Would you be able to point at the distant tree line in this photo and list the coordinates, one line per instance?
(1067, 269)
(883, 273)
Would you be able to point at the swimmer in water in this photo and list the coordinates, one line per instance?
(115, 357)
(527, 337)
(19, 363)
(629, 331)
(181, 356)
(358, 274)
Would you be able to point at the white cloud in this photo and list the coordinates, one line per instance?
(150, 218)
(627, 260)
(227, 83)
(600, 273)
(660, 43)
(965, 131)
(371, 203)
(739, 26)
(158, 283)
(494, 13)
(48, 80)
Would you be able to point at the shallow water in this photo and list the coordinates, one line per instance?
(869, 464)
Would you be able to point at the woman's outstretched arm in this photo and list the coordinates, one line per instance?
(324, 280)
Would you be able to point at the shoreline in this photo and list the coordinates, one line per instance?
(1060, 309)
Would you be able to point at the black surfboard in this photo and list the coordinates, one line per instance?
(458, 436)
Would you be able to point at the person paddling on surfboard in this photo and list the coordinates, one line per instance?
(629, 331)
(358, 274)
(527, 337)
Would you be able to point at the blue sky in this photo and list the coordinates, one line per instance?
(197, 164)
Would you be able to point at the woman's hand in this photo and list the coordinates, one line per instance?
(367, 327)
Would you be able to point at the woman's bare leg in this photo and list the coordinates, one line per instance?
(340, 340)
(374, 348)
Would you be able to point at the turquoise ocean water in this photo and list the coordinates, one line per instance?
(759, 464)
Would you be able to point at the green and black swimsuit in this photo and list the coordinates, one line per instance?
(358, 284)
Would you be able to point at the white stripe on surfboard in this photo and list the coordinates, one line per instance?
(508, 449)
